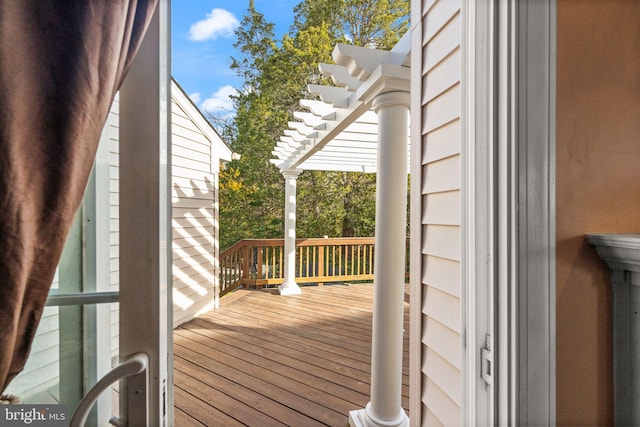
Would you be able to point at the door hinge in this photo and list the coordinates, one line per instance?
(486, 362)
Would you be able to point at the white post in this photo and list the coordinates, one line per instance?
(385, 407)
(290, 287)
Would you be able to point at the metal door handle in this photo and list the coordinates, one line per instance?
(135, 364)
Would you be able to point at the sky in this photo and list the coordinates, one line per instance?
(202, 38)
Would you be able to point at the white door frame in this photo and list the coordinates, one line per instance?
(535, 117)
(145, 227)
(509, 210)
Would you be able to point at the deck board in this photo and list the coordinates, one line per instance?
(266, 360)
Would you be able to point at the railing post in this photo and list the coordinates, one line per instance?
(320, 262)
(245, 265)
(290, 287)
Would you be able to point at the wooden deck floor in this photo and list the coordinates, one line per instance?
(267, 360)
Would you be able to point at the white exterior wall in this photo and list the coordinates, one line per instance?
(113, 138)
(195, 217)
(41, 372)
(196, 154)
(436, 215)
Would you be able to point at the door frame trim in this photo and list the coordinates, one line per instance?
(509, 208)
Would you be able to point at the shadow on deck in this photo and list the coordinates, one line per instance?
(267, 360)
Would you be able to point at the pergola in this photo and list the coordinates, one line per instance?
(340, 132)
(361, 125)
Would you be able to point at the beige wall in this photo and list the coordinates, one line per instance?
(598, 190)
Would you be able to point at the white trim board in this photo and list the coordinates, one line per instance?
(509, 209)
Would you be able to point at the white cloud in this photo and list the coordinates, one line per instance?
(219, 101)
(219, 23)
(195, 97)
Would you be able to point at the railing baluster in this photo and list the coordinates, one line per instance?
(333, 259)
(370, 258)
(260, 262)
(273, 263)
(245, 264)
(345, 252)
(354, 261)
(320, 262)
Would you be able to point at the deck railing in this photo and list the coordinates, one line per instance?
(260, 262)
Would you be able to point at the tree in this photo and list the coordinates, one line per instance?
(372, 23)
(275, 76)
(251, 188)
(255, 40)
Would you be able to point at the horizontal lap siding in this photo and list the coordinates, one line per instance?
(193, 222)
(113, 134)
(441, 213)
(42, 370)
(194, 218)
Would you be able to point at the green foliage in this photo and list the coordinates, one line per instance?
(257, 44)
(275, 78)
(372, 23)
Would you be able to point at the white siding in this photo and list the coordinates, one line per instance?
(439, 170)
(195, 214)
(113, 135)
(194, 223)
(41, 373)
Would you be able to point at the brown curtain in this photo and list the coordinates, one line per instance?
(61, 63)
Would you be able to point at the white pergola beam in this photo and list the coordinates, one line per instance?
(300, 127)
(289, 141)
(356, 136)
(327, 167)
(340, 158)
(336, 96)
(362, 128)
(358, 60)
(295, 135)
(349, 143)
(368, 117)
(364, 153)
(340, 76)
(319, 108)
(330, 117)
(309, 119)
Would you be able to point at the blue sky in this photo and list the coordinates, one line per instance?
(202, 44)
